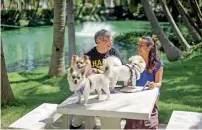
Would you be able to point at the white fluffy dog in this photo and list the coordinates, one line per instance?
(83, 85)
(129, 72)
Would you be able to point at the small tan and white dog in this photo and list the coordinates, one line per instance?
(81, 63)
(130, 71)
(83, 85)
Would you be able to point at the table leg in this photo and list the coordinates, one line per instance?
(110, 123)
(89, 122)
(66, 121)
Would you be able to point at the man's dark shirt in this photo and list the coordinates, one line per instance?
(96, 57)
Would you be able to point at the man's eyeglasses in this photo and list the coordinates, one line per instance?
(107, 41)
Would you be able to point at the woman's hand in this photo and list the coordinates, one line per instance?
(152, 84)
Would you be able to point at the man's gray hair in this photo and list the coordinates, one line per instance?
(101, 34)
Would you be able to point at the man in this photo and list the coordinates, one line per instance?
(103, 40)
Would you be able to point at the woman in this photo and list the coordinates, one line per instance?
(153, 73)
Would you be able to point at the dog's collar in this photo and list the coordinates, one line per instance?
(134, 66)
(80, 91)
(131, 71)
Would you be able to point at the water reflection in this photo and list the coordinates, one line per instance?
(29, 48)
(30, 58)
(90, 28)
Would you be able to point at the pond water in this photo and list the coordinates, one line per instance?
(27, 49)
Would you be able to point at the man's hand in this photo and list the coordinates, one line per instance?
(94, 70)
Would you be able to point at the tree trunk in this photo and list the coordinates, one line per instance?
(6, 90)
(34, 14)
(193, 24)
(172, 52)
(177, 32)
(102, 3)
(81, 9)
(19, 5)
(173, 9)
(196, 37)
(57, 64)
(5, 4)
(71, 30)
(194, 5)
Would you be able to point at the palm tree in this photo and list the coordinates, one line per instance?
(19, 5)
(172, 52)
(57, 64)
(6, 90)
(196, 37)
(177, 32)
(196, 9)
(33, 18)
(81, 9)
(71, 30)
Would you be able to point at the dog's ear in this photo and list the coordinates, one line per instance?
(74, 56)
(141, 60)
(71, 70)
(73, 59)
(85, 57)
(129, 61)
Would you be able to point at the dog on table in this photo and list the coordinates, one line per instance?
(128, 72)
(84, 85)
(81, 64)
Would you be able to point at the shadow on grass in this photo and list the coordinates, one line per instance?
(37, 87)
(41, 79)
(32, 89)
(182, 88)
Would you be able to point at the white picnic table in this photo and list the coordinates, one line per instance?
(136, 105)
(185, 120)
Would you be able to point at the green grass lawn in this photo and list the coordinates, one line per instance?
(182, 90)
(32, 89)
(182, 87)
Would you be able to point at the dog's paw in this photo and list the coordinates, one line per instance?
(108, 98)
(84, 104)
(78, 102)
(97, 97)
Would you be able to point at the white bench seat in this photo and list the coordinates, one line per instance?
(41, 117)
(185, 120)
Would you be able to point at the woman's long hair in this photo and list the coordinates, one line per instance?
(152, 53)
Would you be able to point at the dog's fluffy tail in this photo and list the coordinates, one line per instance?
(109, 63)
(113, 61)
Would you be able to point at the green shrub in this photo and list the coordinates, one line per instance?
(22, 18)
(23, 23)
(131, 37)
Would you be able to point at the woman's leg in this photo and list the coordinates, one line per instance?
(153, 123)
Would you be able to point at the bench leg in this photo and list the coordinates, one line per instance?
(110, 123)
(89, 122)
(65, 121)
